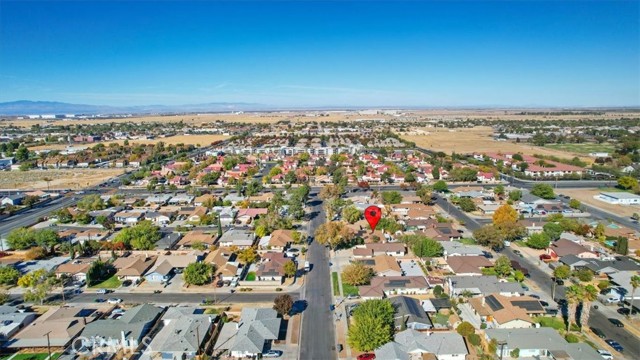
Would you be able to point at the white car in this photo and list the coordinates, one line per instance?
(101, 291)
(272, 354)
(114, 301)
(605, 354)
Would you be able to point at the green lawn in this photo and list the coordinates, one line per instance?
(251, 276)
(467, 241)
(111, 283)
(334, 282)
(349, 289)
(36, 356)
(584, 148)
(552, 322)
(441, 319)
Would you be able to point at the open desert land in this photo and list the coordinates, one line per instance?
(200, 139)
(586, 197)
(60, 178)
(478, 139)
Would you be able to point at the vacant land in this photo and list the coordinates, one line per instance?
(478, 139)
(583, 149)
(586, 197)
(199, 139)
(59, 179)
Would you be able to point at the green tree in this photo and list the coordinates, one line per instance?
(553, 230)
(141, 236)
(561, 272)
(333, 234)
(357, 274)
(290, 268)
(489, 235)
(502, 266)
(544, 191)
(515, 195)
(391, 197)
(499, 190)
(465, 329)
(22, 154)
(63, 215)
(248, 255)
(351, 214)
(372, 325)
(427, 247)
(538, 241)
(9, 275)
(368, 333)
(210, 178)
(389, 225)
(21, 238)
(575, 204)
(589, 295)
(47, 239)
(198, 273)
(440, 186)
(518, 276)
(584, 275)
(283, 304)
(573, 295)
(622, 245)
(99, 271)
(253, 188)
(466, 204)
(91, 202)
(627, 182)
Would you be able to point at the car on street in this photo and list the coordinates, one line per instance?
(366, 356)
(544, 303)
(114, 301)
(353, 296)
(605, 354)
(272, 354)
(599, 333)
(535, 296)
(99, 300)
(616, 322)
(627, 311)
(102, 291)
(559, 282)
(517, 252)
(615, 345)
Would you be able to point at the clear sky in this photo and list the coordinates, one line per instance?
(339, 53)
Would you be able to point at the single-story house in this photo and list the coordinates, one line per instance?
(410, 343)
(235, 237)
(409, 314)
(394, 285)
(483, 285)
(252, 335)
(564, 247)
(133, 267)
(506, 312)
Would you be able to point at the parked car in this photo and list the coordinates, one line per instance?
(366, 356)
(599, 333)
(220, 283)
(615, 345)
(535, 296)
(616, 322)
(353, 296)
(627, 311)
(102, 291)
(545, 257)
(517, 252)
(559, 282)
(272, 354)
(114, 301)
(605, 354)
(544, 303)
(127, 283)
(99, 300)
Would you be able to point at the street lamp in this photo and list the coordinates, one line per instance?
(502, 343)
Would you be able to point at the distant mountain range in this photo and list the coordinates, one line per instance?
(26, 107)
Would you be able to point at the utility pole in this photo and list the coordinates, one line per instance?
(502, 343)
(48, 345)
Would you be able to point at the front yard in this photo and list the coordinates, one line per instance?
(111, 283)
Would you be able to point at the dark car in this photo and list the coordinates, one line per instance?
(614, 344)
(560, 282)
(616, 322)
(534, 296)
(599, 333)
(99, 300)
(627, 311)
(544, 303)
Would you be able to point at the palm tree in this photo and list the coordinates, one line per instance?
(635, 283)
(573, 295)
(589, 294)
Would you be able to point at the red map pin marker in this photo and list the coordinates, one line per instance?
(372, 214)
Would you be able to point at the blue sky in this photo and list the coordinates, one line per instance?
(337, 53)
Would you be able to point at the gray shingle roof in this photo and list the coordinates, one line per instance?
(409, 310)
(438, 343)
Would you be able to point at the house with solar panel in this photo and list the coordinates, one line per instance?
(409, 314)
(504, 312)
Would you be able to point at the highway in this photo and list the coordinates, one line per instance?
(31, 216)
(318, 332)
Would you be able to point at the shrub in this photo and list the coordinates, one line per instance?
(34, 253)
(572, 338)
(474, 339)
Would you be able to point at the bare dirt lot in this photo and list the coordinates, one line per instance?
(586, 196)
(60, 179)
(201, 140)
(477, 139)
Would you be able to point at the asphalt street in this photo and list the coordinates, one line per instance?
(318, 335)
(30, 217)
(630, 343)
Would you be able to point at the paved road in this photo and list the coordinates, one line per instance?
(30, 217)
(630, 343)
(318, 335)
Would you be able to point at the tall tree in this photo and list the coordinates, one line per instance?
(503, 266)
(635, 284)
(589, 295)
(504, 214)
(357, 274)
(573, 295)
(283, 304)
